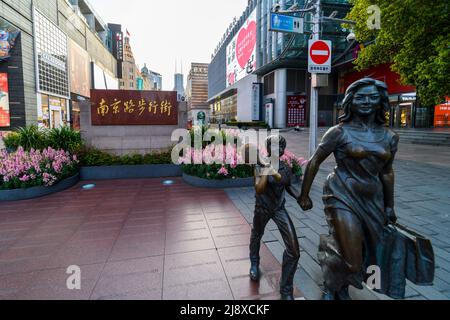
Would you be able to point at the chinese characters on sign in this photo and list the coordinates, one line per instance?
(122, 107)
(296, 111)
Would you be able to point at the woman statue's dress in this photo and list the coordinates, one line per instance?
(356, 187)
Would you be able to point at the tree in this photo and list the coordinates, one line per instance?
(414, 36)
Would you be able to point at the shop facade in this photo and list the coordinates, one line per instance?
(406, 110)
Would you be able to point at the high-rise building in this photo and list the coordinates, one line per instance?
(179, 86)
(197, 94)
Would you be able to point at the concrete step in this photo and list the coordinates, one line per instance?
(424, 137)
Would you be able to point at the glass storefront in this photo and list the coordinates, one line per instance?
(224, 110)
(54, 111)
(406, 112)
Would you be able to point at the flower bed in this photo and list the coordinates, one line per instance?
(224, 166)
(27, 169)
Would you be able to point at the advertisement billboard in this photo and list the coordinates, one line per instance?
(4, 101)
(103, 79)
(241, 52)
(79, 66)
(8, 35)
(132, 107)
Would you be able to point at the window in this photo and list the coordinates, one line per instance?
(51, 49)
(269, 84)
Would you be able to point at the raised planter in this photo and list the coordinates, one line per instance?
(37, 192)
(218, 184)
(130, 172)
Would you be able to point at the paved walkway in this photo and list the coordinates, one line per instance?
(422, 203)
(133, 240)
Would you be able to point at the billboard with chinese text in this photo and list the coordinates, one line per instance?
(296, 111)
(132, 107)
(442, 114)
(241, 52)
(4, 101)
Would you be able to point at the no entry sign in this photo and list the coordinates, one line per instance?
(319, 54)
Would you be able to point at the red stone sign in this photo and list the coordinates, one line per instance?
(132, 107)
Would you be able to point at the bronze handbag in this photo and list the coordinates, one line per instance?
(420, 260)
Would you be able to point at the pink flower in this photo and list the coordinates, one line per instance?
(223, 171)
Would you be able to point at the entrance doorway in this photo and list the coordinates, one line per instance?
(403, 116)
(56, 117)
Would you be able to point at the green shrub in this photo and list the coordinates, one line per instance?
(12, 141)
(91, 157)
(242, 125)
(32, 137)
(64, 138)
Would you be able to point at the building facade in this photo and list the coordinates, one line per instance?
(269, 80)
(60, 47)
(197, 94)
(150, 80)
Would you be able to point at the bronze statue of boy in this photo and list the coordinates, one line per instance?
(271, 189)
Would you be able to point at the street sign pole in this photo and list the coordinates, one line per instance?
(314, 108)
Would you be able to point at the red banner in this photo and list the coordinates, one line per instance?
(131, 107)
(296, 111)
(4, 101)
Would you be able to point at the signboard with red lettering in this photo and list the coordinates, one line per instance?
(319, 56)
(131, 107)
(442, 114)
(296, 111)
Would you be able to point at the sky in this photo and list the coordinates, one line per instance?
(163, 32)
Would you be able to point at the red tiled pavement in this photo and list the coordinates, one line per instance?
(133, 239)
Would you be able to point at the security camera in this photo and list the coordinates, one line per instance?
(276, 8)
(351, 37)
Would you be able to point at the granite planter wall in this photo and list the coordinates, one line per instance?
(130, 172)
(218, 184)
(37, 192)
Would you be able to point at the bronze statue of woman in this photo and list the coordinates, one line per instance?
(359, 195)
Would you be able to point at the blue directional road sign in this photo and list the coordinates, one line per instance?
(286, 24)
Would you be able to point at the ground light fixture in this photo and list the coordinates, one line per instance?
(89, 186)
(168, 182)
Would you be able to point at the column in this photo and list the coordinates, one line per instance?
(280, 112)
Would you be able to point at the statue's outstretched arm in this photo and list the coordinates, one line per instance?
(311, 172)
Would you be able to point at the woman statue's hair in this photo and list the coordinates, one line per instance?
(354, 88)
